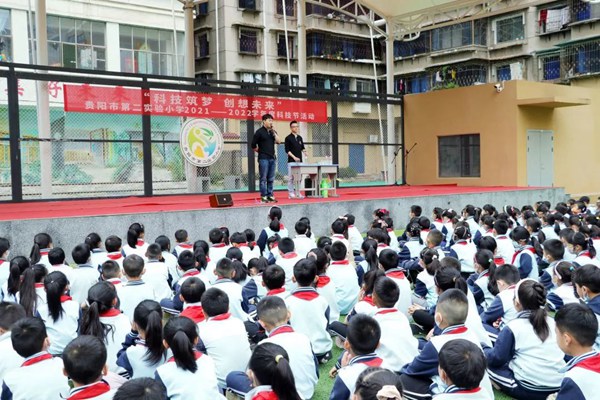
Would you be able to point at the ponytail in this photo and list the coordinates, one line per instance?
(148, 317)
(430, 258)
(55, 284)
(369, 246)
(274, 225)
(40, 241)
(133, 234)
(492, 281)
(100, 299)
(532, 297)
(200, 258)
(271, 366)
(18, 265)
(180, 333)
(28, 297)
(90, 322)
(448, 277)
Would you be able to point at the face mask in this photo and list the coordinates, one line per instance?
(585, 298)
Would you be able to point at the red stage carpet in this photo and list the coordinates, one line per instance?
(133, 205)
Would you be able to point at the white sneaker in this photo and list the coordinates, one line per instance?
(299, 196)
(292, 195)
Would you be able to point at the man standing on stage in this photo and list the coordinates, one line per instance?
(294, 148)
(263, 143)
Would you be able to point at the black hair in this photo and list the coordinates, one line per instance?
(93, 240)
(350, 219)
(452, 262)
(414, 230)
(215, 302)
(40, 241)
(225, 231)
(56, 256)
(10, 313)
(113, 243)
(532, 297)
(588, 276)
(340, 227)
(266, 117)
(324, 242)
(321, 259)
(181, 235)
(241, 272)
(507, 273)
(488, 221)
(431, 260)
(215, 235)
(270, 364)
(437, 213)
(100, 298)
(387, 292)
(307, 221)
(501, 226)
(258, 263)
(154, 252)
(192, 290)
(84, 359)
(520, 233)
(28, 297)
(110, 269)
(4, 246)
(305, 272)
(233, 253)
(238, 238)
(381, 212)
(186, 260)
(133, 265)
(453, 304)
(579, 321)
(164, 242)
(369, 247)
(224, 268)
(250, 236)
(450, 278)
(200, 257)
(579, 239)
(564, 270)
(338, 251)
(301, 227)
(372, 379)
(272, 310)
(180, 333)
(424, 223)
(140, 389)
(449, 213)
(485, 258)
(487, 243)
(435, 237)
(388, 259)
(274, 277)
(28, 336)
(463, 362)
(369, 280)
(274, 225)
(275, 213)
(286, 245)
(462, 232)
(363, 334)
(133, 234)
(55, 284)
(555, 248)
(201, 245)
(379, 235)
(271, 240)
(416, 210)
(148, 317)
(81, 253)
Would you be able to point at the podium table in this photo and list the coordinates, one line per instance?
(315, 173)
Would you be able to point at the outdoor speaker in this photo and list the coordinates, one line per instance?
(220, 200)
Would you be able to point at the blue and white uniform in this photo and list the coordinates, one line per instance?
(82, 279)
(345, 382)
(132, 359)
(582, 375)
(425, 293)
(120, 327)
(405, 298)
(94, 391)
(140, 249)
(310, 316)
(64, 329)
(505, 247)
(465, 251)
(10, 358)
(455, 393)
(287, 262)
(397, 345)
(502, 308)
(238, 307)
(525, 260)
(478, 283)
(133, 293)
(561, 295)
(343, 277)
(326, 289)
(187, 385)
(594, 304)
(40, 377)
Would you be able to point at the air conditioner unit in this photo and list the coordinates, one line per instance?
(373, 138)
(361, 108)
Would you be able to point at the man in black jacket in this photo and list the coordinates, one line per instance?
(263, 142)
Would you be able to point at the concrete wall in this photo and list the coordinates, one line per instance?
(68, 232)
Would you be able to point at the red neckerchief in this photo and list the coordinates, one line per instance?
(501, 237)
(499, 261)
(35, 360)
(386, 311)
(113, 312)
(590, 363)
(197, 355)
(266, 395)
(389, 230)
(281, 329)
(382, 245)
(114, 256)
(195, 313)
(140, 242)
(221, 317)
(462, 242)
(186, 245)
(395, 274)
(584, 254)
(440, 221)
(38, 285)
(90, 392)
(64, 298)
(515, 255)
(218, 245)
(457, 330)
(371, 361)
(281, 226)
(275, 291)
(338, 236)
(289, 255)
(242, 244)
(477, 389)
(115, 281)
(340, 262)
(191, 272)
(44, 253)
(323, 280)
(369, 300)
(207, 259)
(2, 262)
(253, 244)
(306, 294)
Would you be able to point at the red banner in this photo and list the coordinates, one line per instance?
(121, 100)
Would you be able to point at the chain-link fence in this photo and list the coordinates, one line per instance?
(105, 149)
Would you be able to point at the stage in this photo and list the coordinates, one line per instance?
(69, 221)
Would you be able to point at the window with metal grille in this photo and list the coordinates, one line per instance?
(338, 47)
(248, 4)
(503, 72)
(550, 66)
(5, 36)
(150, 51)
(290, 10)
(581, 58)
(321, 134)
(452, 36)
(282, 50)
(202, 47)
(510, 29)
(582, 10)
(365, 86)
(459, 156)
(248, 41)
(407, 48)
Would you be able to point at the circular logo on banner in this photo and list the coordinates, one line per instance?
(201, 142)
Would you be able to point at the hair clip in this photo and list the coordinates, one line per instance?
(278, 358)
(491, 260)
(388, 392)
(571, 268)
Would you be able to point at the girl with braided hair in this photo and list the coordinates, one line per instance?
(378, 383)
(526, 361)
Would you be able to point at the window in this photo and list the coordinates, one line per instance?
(281, 49)
(365, 86)
(248, 41)
(550, 65)
(249, 77)
(5, 36)
(251, 5)
(201, 45)
(334, 47)
(414, 84)
(290, 10)
(513, 70)
(150, 51)
(452, 36)
(503, 72)
(510, 29)
(581, 58)
(583, 10)
(459, 156)
(408, 48)
(328, 82)
(553, 19)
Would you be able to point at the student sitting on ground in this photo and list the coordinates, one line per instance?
(376, 383)
(564, 292)
(9, 314)
(343, 276)
(287, 259)
(388, 261)
(587, 283)
(135, 290)
(191, 293)
(237, 305)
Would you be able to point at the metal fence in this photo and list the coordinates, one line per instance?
(110, 154)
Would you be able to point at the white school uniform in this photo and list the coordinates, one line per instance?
(381, 247)
(134, 360)
(65, 269)
(157, 276)
(507, 296)
(287, 262)
(181, 247)
(474, 322)
(302, 360)
(424, 234)
(365, 306)
(397, 345)
(561, 295)
(171, 263)
(427, 279)
(121, 326)
(140, 249)
(505, 247)
(94, 391)
(549, 232)
(454, 393)
(234, 293)
(247, 253)
(581, 378)
(465, 251)
(133, 293)
(115, 256)
(83, 278)
(4, 272)
(310, 316)
(10, 358)
(415, 246)
(399, 278)
(187, 385)
(473, 225)
(303, 244)
(44, 258)
(482, 283)
(218, 251)
(97, 257)
(394, 245)
(344, 278)
(584, 258)
(345, 383)
(63, 330)
(40, 377)
(326, 289)
(226, 341)
(355, 238)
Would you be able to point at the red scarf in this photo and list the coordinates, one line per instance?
(186, 245)
(221, 317)
(281, 329)
(114, 256)
(275, 291)
(369, 300)
(65, 298)
(35, 360)
(140, 242)
(386, 311)
(113, 312)
(197, 355)
(289, 255)
(340, 262)
(267, 395)
(307, 295)
(323, 281)
(90, 392)
(195, 313)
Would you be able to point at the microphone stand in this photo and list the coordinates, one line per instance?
(406, 154)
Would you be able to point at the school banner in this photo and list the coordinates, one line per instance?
(121, 100)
